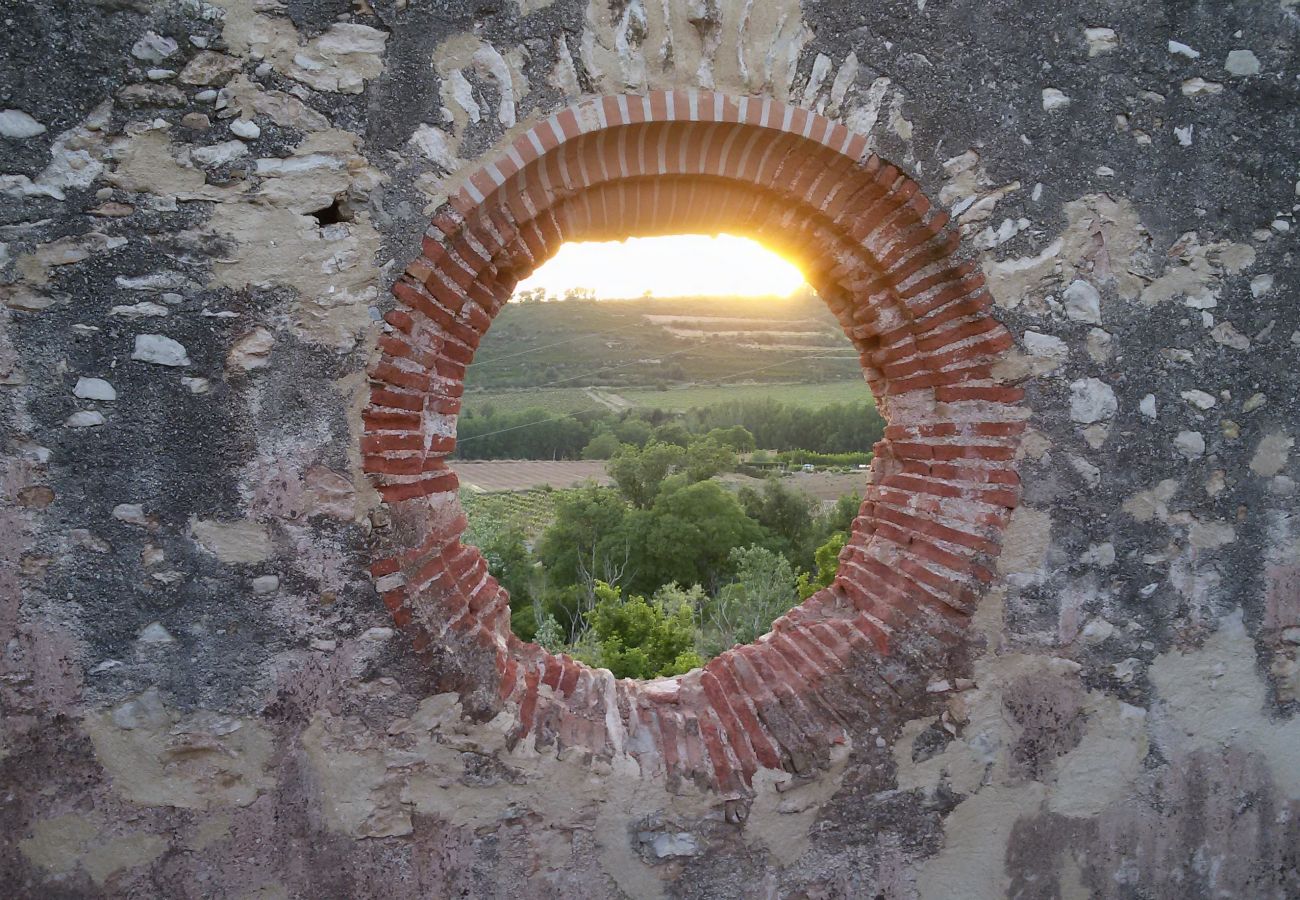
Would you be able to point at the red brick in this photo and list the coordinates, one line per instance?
(741, 702)
(383, 420)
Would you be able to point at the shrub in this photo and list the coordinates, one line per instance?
(639, 638)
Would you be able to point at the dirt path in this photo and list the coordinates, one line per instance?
(609, 399)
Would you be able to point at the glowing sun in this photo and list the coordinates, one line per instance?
(683, 265)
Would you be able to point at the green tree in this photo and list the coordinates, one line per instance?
(706, 458)
(737, 437)
(763, 589)
(673, 597)
(828, 562)
(639, 472)
(586, 537)
(784, 512)
(634, 430)
(550, 634)
(838, 518)
(602, 446)
(686, 537)
(511, 564)
(532, 433)
(673, 433)
(639, 638)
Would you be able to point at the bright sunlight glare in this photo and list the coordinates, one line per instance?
(682, 265)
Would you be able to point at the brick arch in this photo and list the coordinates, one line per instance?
(855, 656)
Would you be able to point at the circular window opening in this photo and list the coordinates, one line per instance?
(942, 481)
(662, 446)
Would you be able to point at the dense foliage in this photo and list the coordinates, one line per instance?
(668, 568)
(837, 428)
(536, 433)
(637, 638)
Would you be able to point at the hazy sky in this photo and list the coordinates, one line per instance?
(675, 266)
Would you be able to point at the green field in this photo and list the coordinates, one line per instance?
(568, 400)
(646, 343)
(558, 401)
(812, 396)
(488, 514)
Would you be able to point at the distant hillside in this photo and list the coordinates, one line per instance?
(653, 343)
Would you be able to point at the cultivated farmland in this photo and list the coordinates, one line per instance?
(560, 401)
(491, 476)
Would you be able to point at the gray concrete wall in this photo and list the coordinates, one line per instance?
(202, 694)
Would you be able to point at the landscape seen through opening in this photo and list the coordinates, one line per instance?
(662, 447)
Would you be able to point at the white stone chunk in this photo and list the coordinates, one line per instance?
(154, 633)
(94, 389)
(14, 123)
(164, 280)
(1180, 49)
(1271, 455)
(137, 310)
(1190, 444)
(253, 351)
(245, 129)
(990, 237)
(1096, 631)
(1241, 63)
(1225, 333)
(86, 418)
(130, 513)
(153, 48)
(1054, 99)
(1095, 435)
(239, 542)
(1082, 302)
(1199, 399)
(1098, 345)
(436, 146)
(1100, 40)
(1091, 400)
(197, 385)
(209, 68)
(679, 844)
(1099, 555)
(1045, 345)
(219, 154)
(1206, 535)
(159, 349)
(1087, 471)
(1199, 87)
(266, 584)
(1148, 406)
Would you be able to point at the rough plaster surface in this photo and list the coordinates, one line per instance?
(201, 693)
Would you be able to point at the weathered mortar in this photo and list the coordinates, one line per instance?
(203, 694)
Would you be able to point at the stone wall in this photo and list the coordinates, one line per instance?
(244, 653)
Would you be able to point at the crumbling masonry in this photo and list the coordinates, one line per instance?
(245, 653)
